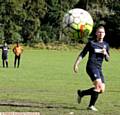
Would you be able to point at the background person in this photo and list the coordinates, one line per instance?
(17, 50)
(4, 48)
(98, 50)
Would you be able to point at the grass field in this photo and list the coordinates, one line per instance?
(45, 82)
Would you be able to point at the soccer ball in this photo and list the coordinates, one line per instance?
(77, 24)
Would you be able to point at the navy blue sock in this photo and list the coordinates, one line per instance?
(94, 98)
(87, 92)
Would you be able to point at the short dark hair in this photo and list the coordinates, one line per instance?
(100, 27)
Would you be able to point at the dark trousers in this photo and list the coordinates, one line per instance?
(5, 62)
(17, 59)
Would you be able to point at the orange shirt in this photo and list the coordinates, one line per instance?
(17, 50)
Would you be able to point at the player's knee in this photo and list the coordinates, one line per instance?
(102, 90)
(99, 88)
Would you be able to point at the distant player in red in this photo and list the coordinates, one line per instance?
(98, 50)
(17, 50)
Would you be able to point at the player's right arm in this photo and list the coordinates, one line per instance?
(76, 64)
(80, 57)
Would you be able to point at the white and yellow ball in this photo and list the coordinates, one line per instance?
(77, 23)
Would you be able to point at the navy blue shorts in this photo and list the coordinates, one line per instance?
(4, 57)
(95, 73)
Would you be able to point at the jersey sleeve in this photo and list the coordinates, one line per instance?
(85, 50)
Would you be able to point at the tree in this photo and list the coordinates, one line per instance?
(113, 23)
(41, 20)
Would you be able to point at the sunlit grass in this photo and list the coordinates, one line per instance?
(46, 78)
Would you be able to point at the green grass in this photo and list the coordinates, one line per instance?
(45, 82)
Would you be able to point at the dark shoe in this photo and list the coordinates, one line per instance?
(79, 96)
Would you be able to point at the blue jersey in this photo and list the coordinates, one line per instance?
(4, 51)
(95, 52)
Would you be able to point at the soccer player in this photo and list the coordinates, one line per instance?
(4, 48)
(17, 50)
(98, 50)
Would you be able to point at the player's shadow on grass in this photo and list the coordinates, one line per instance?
(38, 105)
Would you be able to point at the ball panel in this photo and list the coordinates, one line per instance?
(71, 32)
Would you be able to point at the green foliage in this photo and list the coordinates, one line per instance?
(112, 23)
(41, 20)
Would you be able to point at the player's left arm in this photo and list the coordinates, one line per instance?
(106, 53)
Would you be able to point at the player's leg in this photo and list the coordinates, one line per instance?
(15, 61)
(3, 62)
(99, 88)
(86, 92)
(95, 93)
(18, 61)
(6, 60)
(103, 82)
(6, 63)
(82, 93)
(94, 74)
